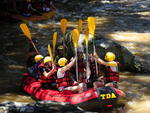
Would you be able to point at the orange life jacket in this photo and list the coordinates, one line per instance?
(63, 79)
(44, 79)
(110, 75)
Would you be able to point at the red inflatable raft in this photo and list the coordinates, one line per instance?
(88, 100)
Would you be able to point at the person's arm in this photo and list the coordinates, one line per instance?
(88, 70)
(51, 72)
(100, 61)
(68, 66)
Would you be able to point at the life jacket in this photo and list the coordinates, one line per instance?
(42, 78)
(33, 71)
(111, 73)
(93, 70)
(81, 66)
(63, 79)
(81, 71)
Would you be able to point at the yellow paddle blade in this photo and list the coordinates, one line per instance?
(50, 52)
(63, 25)
(25, 30)
(75, 37)
(91, 25)
(80, 25)
(86, 33)
(54, 39)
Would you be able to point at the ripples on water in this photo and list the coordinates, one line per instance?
(137, 88)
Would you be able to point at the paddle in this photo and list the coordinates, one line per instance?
(75, 38)
(54, 42)
(91, 26)
(63, 30)
(63, 25)
(50, 52)
(86, 33)
(80, 25)
(27, 33)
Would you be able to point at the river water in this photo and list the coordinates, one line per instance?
(111, 17)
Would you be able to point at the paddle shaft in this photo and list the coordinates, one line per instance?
(34, 46)
(77, 75)
(54, 52)
(27, 33)
(95, 58)
(63, 40)
(87, 62)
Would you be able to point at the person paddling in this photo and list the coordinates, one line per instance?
(81, 66)
(93, 77)
(47, 5)
(110, 70)
(60, 53)
(47, 70)
(33, 70)
(64, 81)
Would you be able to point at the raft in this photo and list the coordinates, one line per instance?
(91, 100)
(33, 18)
